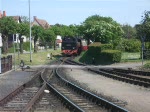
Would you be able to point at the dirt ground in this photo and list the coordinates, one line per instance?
(136, 97)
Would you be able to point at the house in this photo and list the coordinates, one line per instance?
(40, 22)
(16, 18)
(16, 36)
(2, 14)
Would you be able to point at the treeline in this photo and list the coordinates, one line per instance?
(95, 28)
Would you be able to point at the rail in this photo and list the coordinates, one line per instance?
(108, 105)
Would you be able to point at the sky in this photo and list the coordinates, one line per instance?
(76, 11)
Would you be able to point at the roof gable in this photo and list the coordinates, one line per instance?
(41, 23)
(16, 18)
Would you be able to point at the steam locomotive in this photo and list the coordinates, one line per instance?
(73, 46)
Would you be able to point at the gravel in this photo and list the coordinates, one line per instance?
(136, 97)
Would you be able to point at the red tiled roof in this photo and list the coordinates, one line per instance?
(41, 22)
(16, 18)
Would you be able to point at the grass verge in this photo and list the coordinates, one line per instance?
(39, 58)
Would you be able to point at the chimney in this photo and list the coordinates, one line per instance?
(4, 13)
(34, 17)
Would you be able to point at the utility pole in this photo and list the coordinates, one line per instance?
(143, 38)
(30, 34)
(1, 44)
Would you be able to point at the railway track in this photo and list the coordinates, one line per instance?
(49, 101)
(31, 96)
(20, 98)
(61, 95)
(132, 78)
(79, 99)
(140, 78)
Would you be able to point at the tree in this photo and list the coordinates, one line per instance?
(25, 19)
(36, 33)
(22, 29)
(8, 26)
(129, 31)
(101, 29)
(143, 29)
(64, 30)
(49, 36)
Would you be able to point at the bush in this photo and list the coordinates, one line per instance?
(147, 45)
(11, 49)
(111, 56)
(146, 54)
(131, 45)
(96, 48)
(147, 66)
(26, 46)
(104, 57)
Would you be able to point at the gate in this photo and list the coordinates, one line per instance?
(6, 63)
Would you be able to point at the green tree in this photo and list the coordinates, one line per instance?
(49, 36)
(57, 29)
(64, 30)
(36, 33)
(25, 19)
(8, 26)
(143, 29)
(129, 31)
(22, 30)
(101, 29)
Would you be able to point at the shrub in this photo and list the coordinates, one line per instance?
(146, 54)
(147, 65)
(11, 49)
(131, 45)
(96, 48)
(26, 46)
(94, 52)
(147, 45)
(111, 56)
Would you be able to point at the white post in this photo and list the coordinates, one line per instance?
(30, 34)
(0, 52)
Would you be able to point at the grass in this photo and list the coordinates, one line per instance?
(39, 58)
(130, 56)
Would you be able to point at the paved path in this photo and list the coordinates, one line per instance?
(11, 80)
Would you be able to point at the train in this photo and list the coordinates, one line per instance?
(73, 46)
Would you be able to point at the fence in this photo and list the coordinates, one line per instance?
(6, 63)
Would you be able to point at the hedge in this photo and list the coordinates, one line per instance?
(96, 48)
(111, 56)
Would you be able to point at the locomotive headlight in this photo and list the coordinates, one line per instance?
(73, 48)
